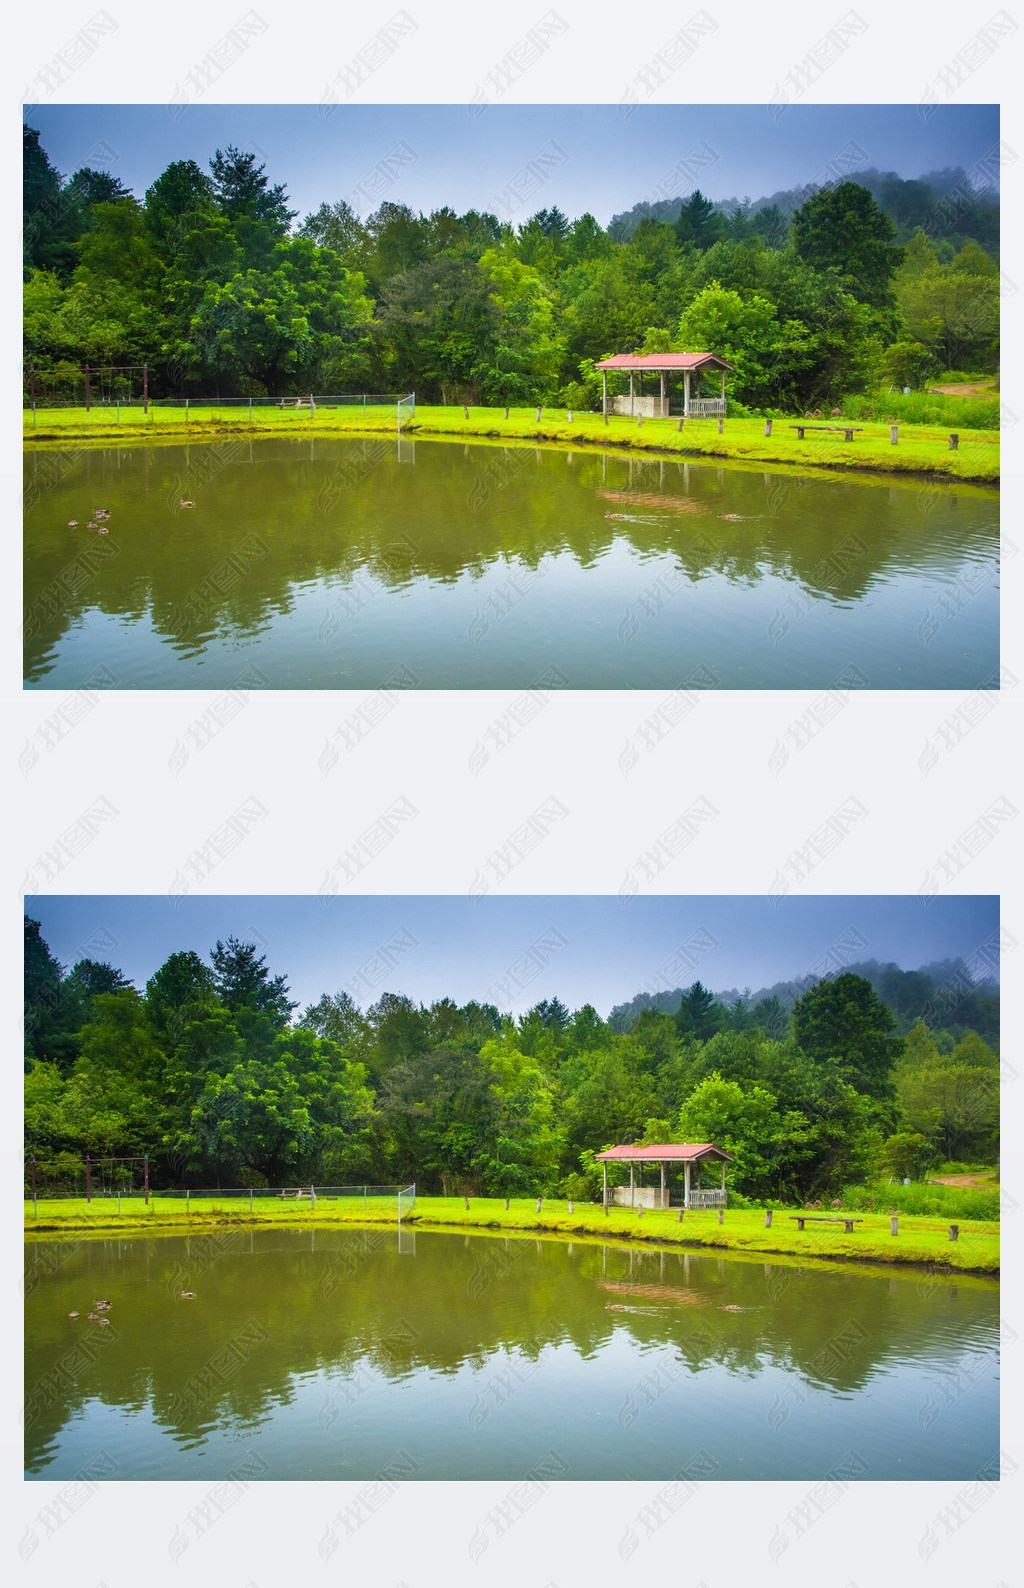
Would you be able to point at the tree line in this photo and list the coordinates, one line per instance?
(209, 282)
(211, 1072)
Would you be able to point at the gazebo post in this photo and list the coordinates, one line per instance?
(631, 394)
(686, 1175)
(723, 385)
(686, 392)
(723, 1181)
(632, 1194)
(662, 413)
(604, 392)
(604, 1195)
(663, 1161)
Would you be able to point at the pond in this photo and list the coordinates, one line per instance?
(347, 1353)
(377, 563)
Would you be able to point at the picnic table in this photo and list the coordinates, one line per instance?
(825, 1218)
(847, 430)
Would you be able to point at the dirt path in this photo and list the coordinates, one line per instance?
(964, 1179)
(982, 390)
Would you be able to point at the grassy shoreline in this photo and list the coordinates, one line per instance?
(922, 449)
(921, 1240)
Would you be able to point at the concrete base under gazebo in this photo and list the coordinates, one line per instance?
(687, 1154)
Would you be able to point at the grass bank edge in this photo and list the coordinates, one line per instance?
(923, 450)
(922, 1241)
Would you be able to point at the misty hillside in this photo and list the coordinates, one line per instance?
(909, 203)
(943, 994)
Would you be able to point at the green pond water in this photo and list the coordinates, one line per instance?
(368, 563)
(355, 1352)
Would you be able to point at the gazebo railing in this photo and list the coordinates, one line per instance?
(706, 1199)
(700, 408)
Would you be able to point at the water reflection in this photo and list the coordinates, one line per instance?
(359, 1331)
(327, 563)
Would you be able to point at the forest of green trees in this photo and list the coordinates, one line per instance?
(210, 1071)
(208, 280)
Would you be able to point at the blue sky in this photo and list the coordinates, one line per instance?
(515, 951)
(597, 159)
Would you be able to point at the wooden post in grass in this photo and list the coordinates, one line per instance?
(606, 418)
(539, 1201)
(606, 1209)
(894, 435)
(721, 1215)
(679, 1220)
(894, 1224)
(954, 441)
(721, 426)
(465, 411)
(679, 426)
(145, 1178)
(954, 1232)
(537, 420)
(768, 1218)
(767, 427)
(466, 1201)
(250, 1199)
(570, 1207)
(570, 416)
(506, 413)
(88, 394)
(88, 1179)
(145, 388)
(640, 1211)
(506, 1204)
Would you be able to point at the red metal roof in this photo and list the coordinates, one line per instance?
(663, 361)
(666, 1151)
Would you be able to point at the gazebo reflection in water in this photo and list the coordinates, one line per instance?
(690, 1156)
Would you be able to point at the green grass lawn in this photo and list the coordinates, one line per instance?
(921, 448)
(920, 1239)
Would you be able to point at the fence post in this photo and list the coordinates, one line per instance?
(768, 1219)
(767, 427)
(364, 1199)
(250, 410)
(250, 1199)
(954, 1232)
(88, 1179)
(894, 435)
(721, 1215)
(894, 1225)
(186, 410)
(145, 1177)
(145, 388)
(312, 1195)
(954, 441)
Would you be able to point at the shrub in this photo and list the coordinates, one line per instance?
(925, 408)
(943, 1201)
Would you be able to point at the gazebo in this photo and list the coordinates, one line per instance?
(664, 364)
(689, 1154)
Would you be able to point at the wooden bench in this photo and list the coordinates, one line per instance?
(848, 430)
(824, 1218)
